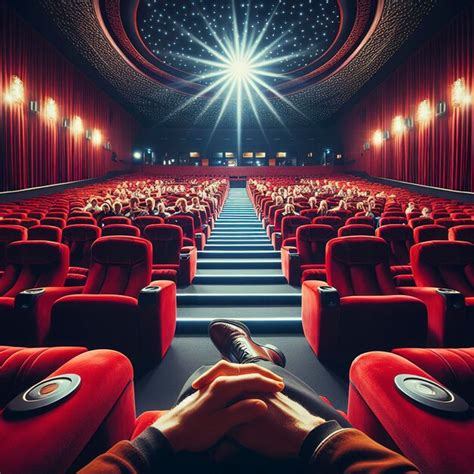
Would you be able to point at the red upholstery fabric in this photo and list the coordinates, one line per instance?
(314, 274)
(10, 221)
(121, 229)
(311, 242)
(291, 224)
(102, 413)
(119, 265)
(79, 238)
(361, 220)
(414, 223)
(462, 232)
(428, 232)
(29, 222)
(144, 221)
(167, 240)
(81, 220)
(186, 223)
(393, 220)
(355, 229)
(169, 274)
(9, 234)
(45, 232)
(54, 221)
(436, 444)
(334, 221)
(400, 239)
(20, 367)
(106, 221)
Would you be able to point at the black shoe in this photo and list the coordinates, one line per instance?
(234, 342)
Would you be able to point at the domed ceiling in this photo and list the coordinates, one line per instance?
(271, 63)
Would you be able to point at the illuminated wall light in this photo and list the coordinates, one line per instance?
(398, 125)
(137, 155)
(51, 109)
(377, 138)
(424, 112)
(15, 94)
(459, 94)
(77, 127)
(96, 137)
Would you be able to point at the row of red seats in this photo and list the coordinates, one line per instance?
(102, 412)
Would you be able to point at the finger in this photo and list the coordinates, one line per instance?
(226, 368)
(242, 412)
(226, 389)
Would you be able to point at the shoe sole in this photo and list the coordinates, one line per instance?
(244, 327)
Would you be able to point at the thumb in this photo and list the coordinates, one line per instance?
(242, 412)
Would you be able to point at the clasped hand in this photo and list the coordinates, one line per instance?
(243, 402)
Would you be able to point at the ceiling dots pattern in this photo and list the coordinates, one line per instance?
(156, 54)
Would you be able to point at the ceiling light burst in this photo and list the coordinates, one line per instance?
(238, 73)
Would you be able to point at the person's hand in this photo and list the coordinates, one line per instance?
(279, 431)
(204, 417)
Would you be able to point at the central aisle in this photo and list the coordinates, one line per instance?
(239, 277)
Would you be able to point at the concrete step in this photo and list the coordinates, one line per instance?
(239, 246)
(239, 299)
(238, 254)
(239, 279)
(221, 263)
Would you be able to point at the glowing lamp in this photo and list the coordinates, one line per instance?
(424, 112)
(398, 125)
(459, 94)
(15, 94)
(51, 109)
(240, 68)
(137, 155)
(96, 137)
(77, 127)
(377, 138)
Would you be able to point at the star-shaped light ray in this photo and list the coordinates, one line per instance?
(238, 72)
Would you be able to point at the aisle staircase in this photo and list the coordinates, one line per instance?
(239, 277)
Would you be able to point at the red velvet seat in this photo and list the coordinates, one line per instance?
(143, 221)
(435, 443)
(9, 234)
(462, 232)
(437, 266)
(36, 215)
(287, 236)
(359, 308)
(187, 224)
(10, 221)
(54, 221)
(115, 220)
(361, 220)
(57, 214)
(309, 213)
(393, 220)
(118, 308)
(355, 229)
(306, 260)
(121, 229)
(68, 436)
(428, 232)
(417, 221)
(18, 215)
(81, 220)
(45, 232)
(29, 264)
(29, 222)
(334, 221)
(439, 214)
(80, 214)
(79, 238)
(170, 255)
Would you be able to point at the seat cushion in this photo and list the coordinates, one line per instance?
(164, 274)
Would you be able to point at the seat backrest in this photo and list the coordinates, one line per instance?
(462, 232)
(23, 367)
(33, 264)
(399, 237)
(271, 212)
(356, 229)
(115, 220)
(444, 264)
(143, 221)
(18, 215)
(361, 220)
(80, 214)
(439, 214)
(9, 234)
(167, 241)
(57, 214)
(81, 220)
(310, 213)
(120, 265)
(278, 218)
(29, 222)
(393, 220)
(36, 215)
(79, 238)
(359, 265)
(45, 232)
(334, 221)
(424, 233)
(54, 221)
(10, 221)
(460, 215)
(446, 222)
(121, 229)
(417, 221)
(290, 224)
(311, 242)
(185, 222)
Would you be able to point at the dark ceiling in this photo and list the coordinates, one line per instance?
(169, 61)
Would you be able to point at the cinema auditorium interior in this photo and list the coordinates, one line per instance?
(236, 236)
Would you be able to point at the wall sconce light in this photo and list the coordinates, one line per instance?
(398, 125)
(15, 94)
(424, 112)
(96, 137)
(377, 138)
(51, 109)
(459, 94)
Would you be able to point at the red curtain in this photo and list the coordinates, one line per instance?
(35, 151)
(437, 154)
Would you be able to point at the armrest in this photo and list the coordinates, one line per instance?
(187, 265)
(447, 322)
(33, 307)
(270, 230)
(157, 308)
(320, 314)
(381, 411)
(291, 265)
